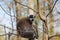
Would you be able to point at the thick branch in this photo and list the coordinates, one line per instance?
(54, 36)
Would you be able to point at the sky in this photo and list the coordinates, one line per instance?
(56, 14)
(5, 19)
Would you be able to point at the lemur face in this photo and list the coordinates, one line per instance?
(31, 18)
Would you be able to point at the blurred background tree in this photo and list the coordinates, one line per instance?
(11, 12)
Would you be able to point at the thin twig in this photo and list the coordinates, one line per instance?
(8, 34)
(52, 8)
(5, 11)
(8, 27)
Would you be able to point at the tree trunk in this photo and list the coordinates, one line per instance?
(31, 5)
(18, 11)
(45, 27)
(43, 18)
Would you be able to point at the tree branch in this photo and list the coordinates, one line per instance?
(25, 6)
(52, 8)
(54, 36)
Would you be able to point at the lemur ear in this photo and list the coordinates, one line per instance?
(31, 16)
(34, 16)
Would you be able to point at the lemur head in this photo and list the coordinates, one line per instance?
(31, 18)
